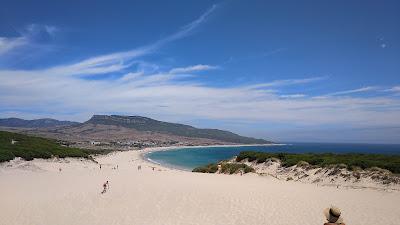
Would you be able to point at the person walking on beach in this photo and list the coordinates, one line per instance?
(333, 216)
(100, 166)
(139, 167)
(105, 187)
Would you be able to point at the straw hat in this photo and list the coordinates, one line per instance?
(333, 215)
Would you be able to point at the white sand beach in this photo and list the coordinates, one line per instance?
(37, 193)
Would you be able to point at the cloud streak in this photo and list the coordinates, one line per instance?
(293, 96)
(353, 91)
(121, 60)
(395, 89)
(190, 69)
(288, 82)
(10, 44)
(28, 37)
(187, 29)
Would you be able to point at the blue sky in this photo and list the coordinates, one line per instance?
(325, 71)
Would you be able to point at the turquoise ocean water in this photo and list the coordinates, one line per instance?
(189, 158)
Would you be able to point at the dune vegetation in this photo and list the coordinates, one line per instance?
(350, 160)
(228, 168)
(28, 148)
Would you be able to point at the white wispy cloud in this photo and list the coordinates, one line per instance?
(51, 30)
(121, 60)
(187, 29)
(132, 76)
(36, 30)
(10, 44)
(393, 89)
(353, 91)
(190, 69)
(27, 37)
(293, 96)
(278, 83)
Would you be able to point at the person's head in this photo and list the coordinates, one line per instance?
(333, 215)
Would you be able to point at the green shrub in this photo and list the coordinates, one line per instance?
(210, 168)
(230, 168)
(248, 169)
(6, 155)
(233, 168)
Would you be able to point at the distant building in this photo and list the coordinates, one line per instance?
(13, 141)
(95, 142)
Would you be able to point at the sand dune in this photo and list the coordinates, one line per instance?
(38, 193)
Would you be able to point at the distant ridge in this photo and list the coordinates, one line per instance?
(38, 123)
(147, 124)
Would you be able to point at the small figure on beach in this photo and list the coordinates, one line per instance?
(153, 168)
(139, 167)
(59, 169)
(333, 216)
(100, 166)
(105, 187)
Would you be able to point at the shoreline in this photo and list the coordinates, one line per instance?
(142, 158)
(343, 184)
(146, 151)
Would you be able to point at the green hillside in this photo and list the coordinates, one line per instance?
(146, 124)
(28, 148)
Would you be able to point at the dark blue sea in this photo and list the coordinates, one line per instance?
(189, 158)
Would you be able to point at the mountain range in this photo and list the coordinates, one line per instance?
(38, 123)
(115, 127)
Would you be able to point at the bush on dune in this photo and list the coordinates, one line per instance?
(210, 168)
(229, 168)
(233, 168)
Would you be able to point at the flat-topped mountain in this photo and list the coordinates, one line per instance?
(38, 123)
(140, 123)
(109, 129)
